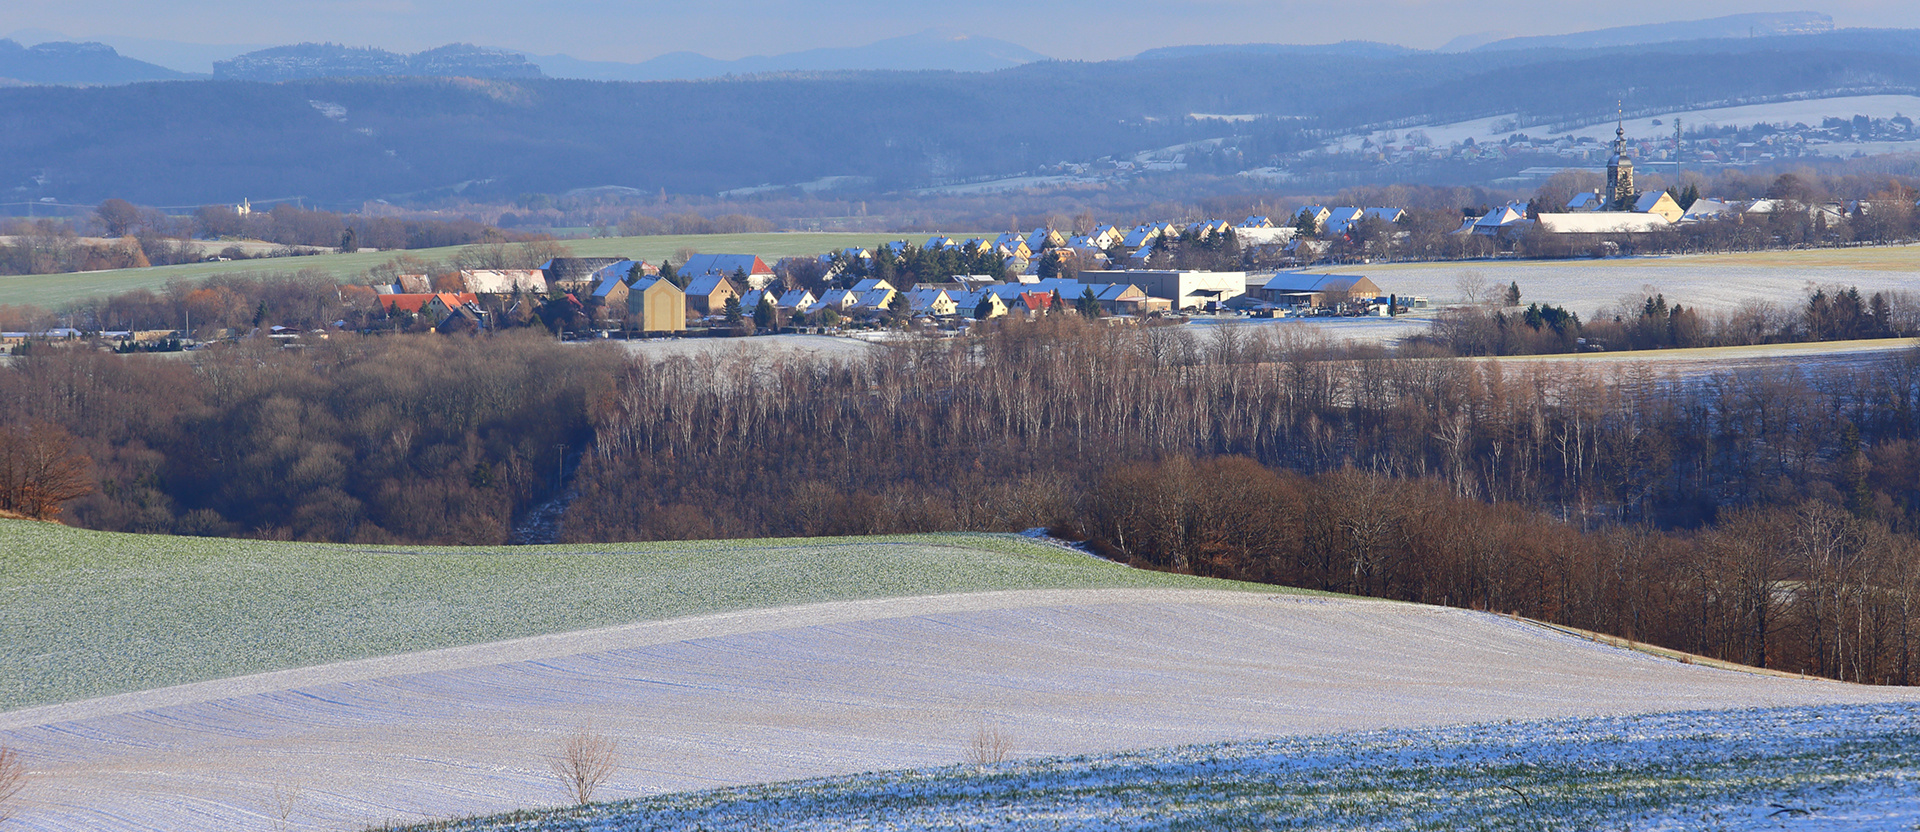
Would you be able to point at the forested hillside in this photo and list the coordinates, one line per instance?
(344, 141)
(1667, 508)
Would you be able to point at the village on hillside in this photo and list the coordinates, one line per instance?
(1106, 273)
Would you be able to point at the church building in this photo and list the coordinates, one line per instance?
(1620, 173)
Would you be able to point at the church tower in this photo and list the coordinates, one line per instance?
(1620, 193)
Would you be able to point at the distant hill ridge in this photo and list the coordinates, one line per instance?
(933, 49)
(307, 61)
(1758, 24)
(62, 62)
(346, 140)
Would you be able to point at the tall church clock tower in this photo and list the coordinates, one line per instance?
(1620, 192)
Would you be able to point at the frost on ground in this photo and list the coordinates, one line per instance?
(833, 689)
(1809, 768)
(1716, 283)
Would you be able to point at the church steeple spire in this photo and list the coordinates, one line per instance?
(1620, 192)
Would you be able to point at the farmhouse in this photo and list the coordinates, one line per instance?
(838, 300)
(1032, 303)
(654, 304)
(504, 281)
(435, 305)
(931, 301)
(794, 300)
(967, 304)
(1660, 203)
(609, 293)
(405, 284)
(576, 274)
(707, 294)
(875, 300)
(1338, 219)
(748, 268)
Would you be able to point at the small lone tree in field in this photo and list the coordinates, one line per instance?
(1513, 293)
(585, 762)
(13, 777)
(989, 746)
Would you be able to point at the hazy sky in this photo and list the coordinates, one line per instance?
(1078, 29)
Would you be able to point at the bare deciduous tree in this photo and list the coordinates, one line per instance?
(40, 469)
(286, 798)
(989, 746)
(585, 762)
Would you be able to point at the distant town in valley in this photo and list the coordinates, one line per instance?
(817, 416)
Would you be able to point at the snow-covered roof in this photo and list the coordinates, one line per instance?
(504, 281)
(1650, 200)
(1703, 208)
(1601, 222)
(1588, 201)
(1304, 283)
(725, 264)
(1339, 218)
(705, 284)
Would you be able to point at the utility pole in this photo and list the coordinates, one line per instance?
(560, 474)
(1676, 151)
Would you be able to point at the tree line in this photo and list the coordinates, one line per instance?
(1830, 313)
(138, 237)
(355, 438)
(1634, 499)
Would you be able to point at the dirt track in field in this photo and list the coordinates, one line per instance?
(820, 690)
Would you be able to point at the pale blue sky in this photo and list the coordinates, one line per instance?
(1076, 29)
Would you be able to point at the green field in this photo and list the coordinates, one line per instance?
(90, 613)
(55, 290)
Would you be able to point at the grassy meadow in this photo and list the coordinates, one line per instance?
(94, 613)
(55, 290)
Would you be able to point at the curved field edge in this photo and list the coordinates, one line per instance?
(90, 614)
(1852, 767)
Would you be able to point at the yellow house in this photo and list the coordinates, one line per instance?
(1659, 202)
(656, 305)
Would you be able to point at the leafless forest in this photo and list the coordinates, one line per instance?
(1761, 515)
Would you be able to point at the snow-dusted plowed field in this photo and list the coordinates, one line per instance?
(1811, 769)
(819, 690)
(1710, 282)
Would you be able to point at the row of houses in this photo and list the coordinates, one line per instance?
(1020, 252)
(1654, 211)
(655, 305)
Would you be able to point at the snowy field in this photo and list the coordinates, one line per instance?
(758, 346)
(1386, 331)
(1810, 769)
(1810, 112)
(842, 688)
(1704, 281)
